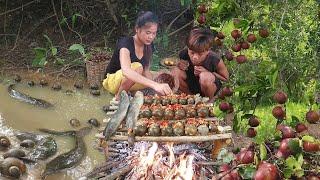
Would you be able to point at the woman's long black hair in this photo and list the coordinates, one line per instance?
(145, 17)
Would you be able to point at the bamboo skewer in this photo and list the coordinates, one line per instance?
(172, 138)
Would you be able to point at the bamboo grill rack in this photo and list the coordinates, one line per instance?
(95, 72)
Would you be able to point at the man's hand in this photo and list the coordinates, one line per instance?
(183, 65)
(199, 69)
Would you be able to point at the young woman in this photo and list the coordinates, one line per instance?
(199, 70)
(129, 67)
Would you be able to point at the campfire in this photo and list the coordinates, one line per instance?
(148, 160)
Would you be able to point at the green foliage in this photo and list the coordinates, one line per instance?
(43, 54)
(247, 172)
(293, 166)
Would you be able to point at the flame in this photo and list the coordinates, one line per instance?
(152, 163)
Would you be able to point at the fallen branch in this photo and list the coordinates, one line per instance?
(20, 7)
(184, 26)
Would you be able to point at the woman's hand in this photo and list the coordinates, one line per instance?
(163, 89)
(199, 69)
(183, 65)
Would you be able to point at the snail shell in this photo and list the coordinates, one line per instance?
(17, 153)
(74, 122)
(94, 122)
(27, 143)
(30, 83)
(13, 167)
(4, 142)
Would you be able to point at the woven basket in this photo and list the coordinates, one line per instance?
(95, 72)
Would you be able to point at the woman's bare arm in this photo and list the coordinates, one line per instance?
(130, 73)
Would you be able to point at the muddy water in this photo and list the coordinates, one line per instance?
(81, 105)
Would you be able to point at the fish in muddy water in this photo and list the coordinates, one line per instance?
(45, 147)
(26, 98)
(71, 158)
(132, 115)
(118, 117)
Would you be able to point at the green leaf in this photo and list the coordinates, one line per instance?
(48, 40)
(294, 146)
(247, 172)
(308, 138)
(74, 19)
(59, 61)
(274, 79)
(294, 120)
(77, 47)
(43, 62)
(40, 52)
(287, 172)
(263, 152)
(54, 51)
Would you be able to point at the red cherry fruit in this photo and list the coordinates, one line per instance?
(224, 106)
(300, 127)
(264, 33)
(241, 59)
(245, 156)
(287, 132)
(201, 19)
(254, 121)
(236, 34)
(229, 55)
(220, 35)
(245, 45)
(227, 91)
(251, 38)
(284, 150)
(251, 132)
(236, 47)
(266, 171)
(311, 146)
(278, 112)
(312, 116)
(280, 97)
(202, 8)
